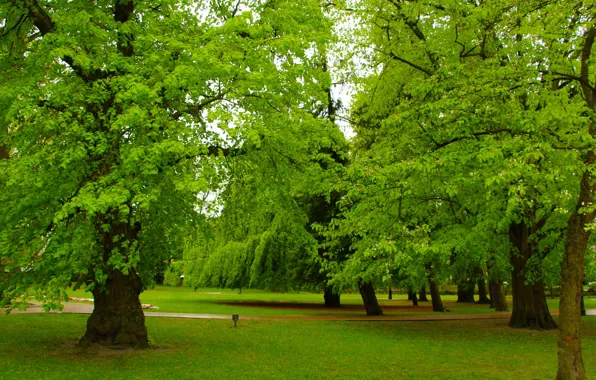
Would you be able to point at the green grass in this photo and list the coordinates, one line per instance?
(209, 301)
(42, 347)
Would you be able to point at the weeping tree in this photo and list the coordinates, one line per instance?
(119, 115)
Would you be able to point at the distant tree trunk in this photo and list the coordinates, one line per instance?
(390, 296)
(435, 295)
(465, 291)
(117, 317)
(369, 298)
(529, 300)
(410, 295)
(498, 299)
(482, 296)
(414, 299)
(422, 295)
(491, 285)
(331, 299)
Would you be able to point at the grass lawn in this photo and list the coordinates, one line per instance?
(42, 347)
(210, 301)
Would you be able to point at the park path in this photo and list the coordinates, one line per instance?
(83, 308)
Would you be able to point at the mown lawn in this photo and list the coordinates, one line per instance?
(210, 301)
(42, 347)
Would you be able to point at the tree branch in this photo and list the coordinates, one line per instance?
(585, 69)
(473, 135)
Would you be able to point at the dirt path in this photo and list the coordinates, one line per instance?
(83, 308)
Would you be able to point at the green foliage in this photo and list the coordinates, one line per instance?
(173, 272)
(120, 115)
(465, 128)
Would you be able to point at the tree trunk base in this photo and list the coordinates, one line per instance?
(331, 299)
(371, 304)
(117, 318)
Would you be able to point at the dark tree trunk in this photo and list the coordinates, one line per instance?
(117, 317)
(482, 293)
(435, 296)
(390, 296)
(465, 291)
(491, 286)
(529, 300)
(4, 152)
(498, 299)
(422, 295)
(571, 364)
(331, 299)
(410, 295)
(414, 299)
(369, 298)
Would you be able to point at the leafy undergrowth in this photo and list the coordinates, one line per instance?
(42, 346)
(224, 301)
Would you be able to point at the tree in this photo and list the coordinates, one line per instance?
(111, 121)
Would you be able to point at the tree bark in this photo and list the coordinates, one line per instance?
(410, 295)
(369, 298)
(465, 292)
(4, 152)
(435, 295)
(482, 293)
(117, 317)
(529, 299)
(390, 296)
(571, 364)
(331, 299)
(498, 299)
(422, 295)
(414, 299)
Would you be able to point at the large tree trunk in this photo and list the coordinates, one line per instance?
(571, 364)
(390, 295)
(529, 299)
(331, 299)
(465, 291)
(435, 295)
(410, 295)
(369, 298)
(117, 317)
(422, 295)
(498, 299)
(482, 293)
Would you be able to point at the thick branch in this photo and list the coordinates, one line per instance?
(43, 22)
(585, 69)
(123, 10)
(411, 64)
